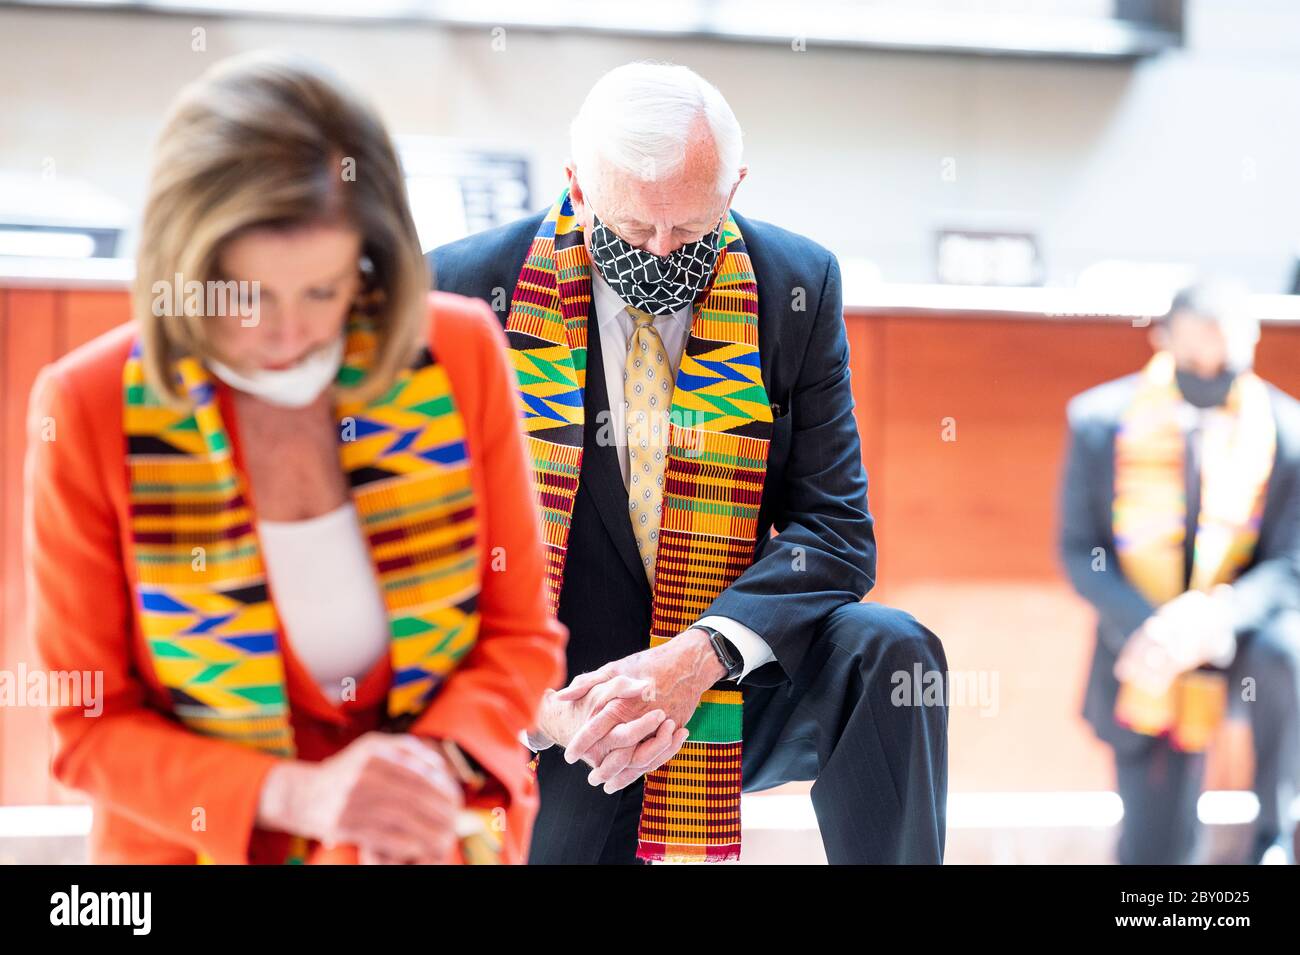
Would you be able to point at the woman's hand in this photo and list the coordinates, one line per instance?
(392, 796)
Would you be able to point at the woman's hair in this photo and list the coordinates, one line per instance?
(268, 140)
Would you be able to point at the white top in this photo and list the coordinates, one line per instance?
(616, 325)
(327, 596)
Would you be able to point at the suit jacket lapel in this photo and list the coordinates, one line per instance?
(768, 327)
(601, 476)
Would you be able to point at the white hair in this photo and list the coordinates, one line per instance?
(638, 118)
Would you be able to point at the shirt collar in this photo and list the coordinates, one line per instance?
(611, 311)
(609, 307)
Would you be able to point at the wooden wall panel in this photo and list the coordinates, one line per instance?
(30, 332)
(1277, 358)
(88, 314)
(866, 370)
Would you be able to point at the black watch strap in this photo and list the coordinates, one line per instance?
(730, 658)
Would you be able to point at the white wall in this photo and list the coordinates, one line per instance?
(1188, 157)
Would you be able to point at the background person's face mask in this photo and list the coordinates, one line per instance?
(294, 387)
(1205, 391)
(656, 284)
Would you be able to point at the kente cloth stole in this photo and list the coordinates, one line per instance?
(1150, 514)
(202, 594)
(720, 427)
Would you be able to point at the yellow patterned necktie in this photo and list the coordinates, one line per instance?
(647, 398)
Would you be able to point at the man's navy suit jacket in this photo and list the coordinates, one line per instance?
(815, 493)
(1269, 585)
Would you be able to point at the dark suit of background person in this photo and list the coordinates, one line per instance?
(822, 710)
(1159, 785)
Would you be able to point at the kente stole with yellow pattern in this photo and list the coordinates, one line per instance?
(202, 595)
(720, 427)
(1150, 525)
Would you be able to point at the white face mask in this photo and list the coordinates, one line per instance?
(294, 387)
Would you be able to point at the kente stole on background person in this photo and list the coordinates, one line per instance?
(1150, 525)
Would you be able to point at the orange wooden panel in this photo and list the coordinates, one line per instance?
(975, 437)
(1277, 359)
(866, 362)
(30, 332)
(87, 314)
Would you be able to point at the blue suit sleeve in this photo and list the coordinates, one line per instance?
(825, 553)
(1087, 548)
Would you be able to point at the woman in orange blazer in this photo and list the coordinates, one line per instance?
(286, 513)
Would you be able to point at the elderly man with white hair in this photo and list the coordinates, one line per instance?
(684, 389)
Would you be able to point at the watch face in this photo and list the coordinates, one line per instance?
(727, 653)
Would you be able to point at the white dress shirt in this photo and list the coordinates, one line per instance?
(616, 326)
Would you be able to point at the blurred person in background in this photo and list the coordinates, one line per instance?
(1181, 526)
(297, 539)
(685, 385)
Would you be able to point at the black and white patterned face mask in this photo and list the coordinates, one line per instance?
(656, 284)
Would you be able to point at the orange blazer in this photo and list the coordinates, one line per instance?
(146, 774)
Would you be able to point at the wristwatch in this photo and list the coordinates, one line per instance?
(730, 659)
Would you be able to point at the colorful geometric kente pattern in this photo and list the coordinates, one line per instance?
(720, 425)
(1149, 518)
(201, 590)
